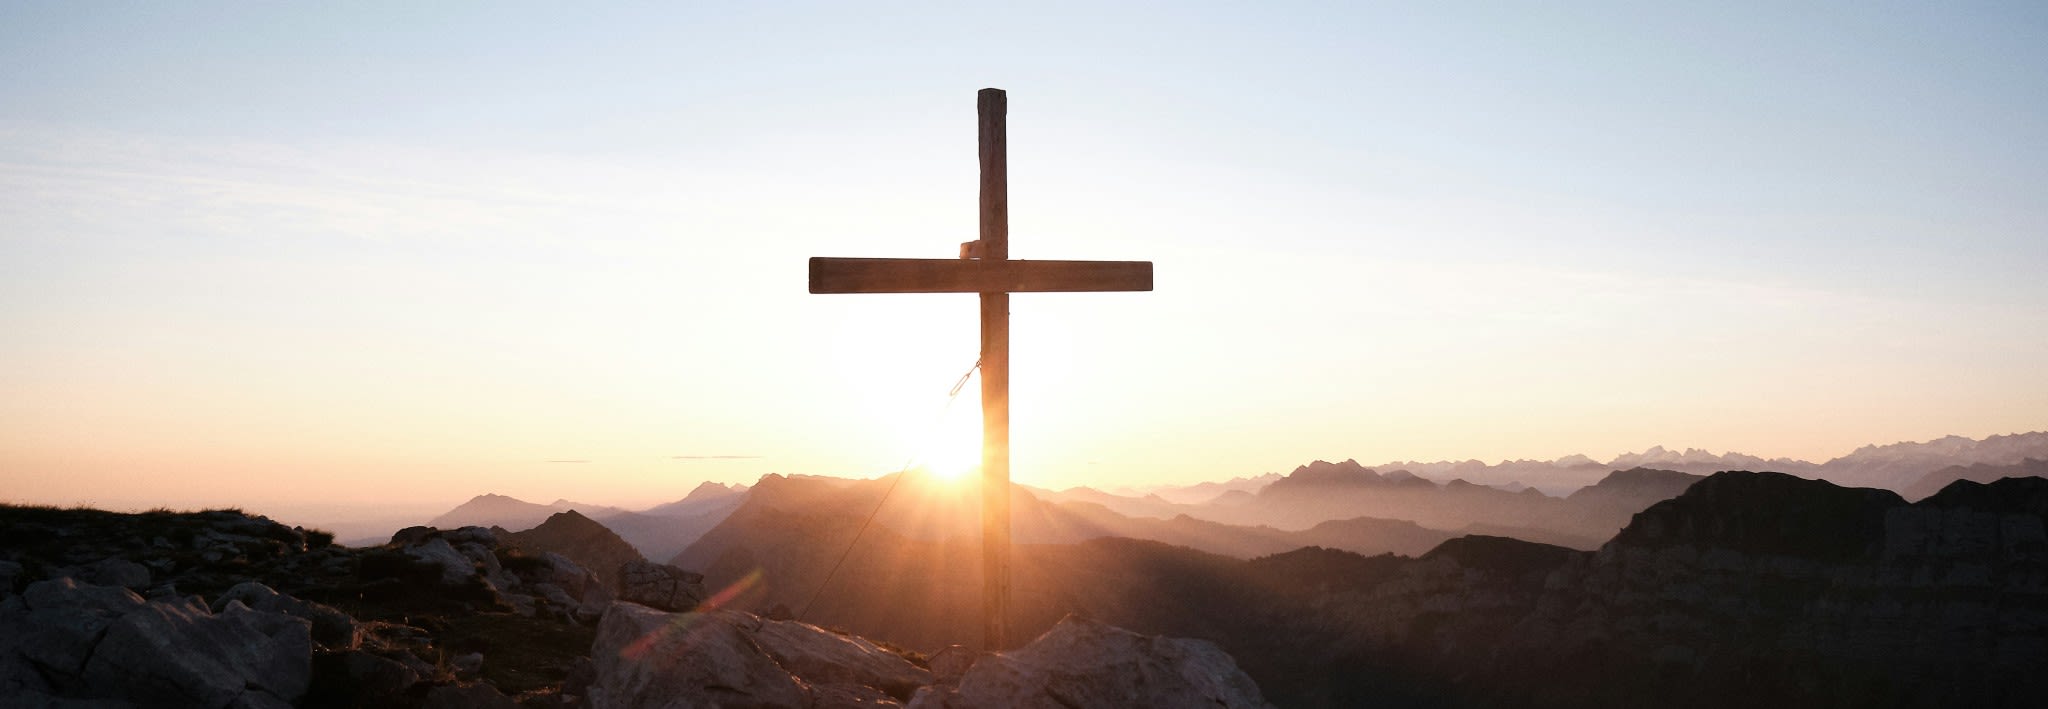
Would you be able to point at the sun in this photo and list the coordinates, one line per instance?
(952, 449)
(950, 460)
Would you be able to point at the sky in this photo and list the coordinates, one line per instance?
(350, 255)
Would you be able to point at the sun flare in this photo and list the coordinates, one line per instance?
(952, 448)
(951, 459)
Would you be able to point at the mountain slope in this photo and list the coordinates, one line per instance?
(1934, 482)
(494, 510)
(582, 539)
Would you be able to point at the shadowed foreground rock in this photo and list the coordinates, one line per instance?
(1081, 663)
(649, 658)
(62, 638)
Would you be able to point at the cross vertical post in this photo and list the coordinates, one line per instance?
(985, 268)
(991, 107)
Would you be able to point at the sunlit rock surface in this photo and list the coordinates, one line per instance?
(1081, 663)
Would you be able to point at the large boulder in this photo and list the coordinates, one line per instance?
(332, 628)
(648, 658)
(455, 567)
(822, 657)
(100, 642)
(1082, 663)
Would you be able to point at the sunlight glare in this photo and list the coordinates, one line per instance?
(952, 446)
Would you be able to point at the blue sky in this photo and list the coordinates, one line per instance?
(451, 242)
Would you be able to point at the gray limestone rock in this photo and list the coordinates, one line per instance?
(331, 627)
(822, 657)
(109, 572)
(411, 535)
(455, 568)
(177, 653)
(1081, 663)
(647, 658)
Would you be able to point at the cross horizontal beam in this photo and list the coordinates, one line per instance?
(920, 275)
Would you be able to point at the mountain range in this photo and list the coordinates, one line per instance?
(1744, 588)
(658, 532)
(1894, 466)
(1342, 505)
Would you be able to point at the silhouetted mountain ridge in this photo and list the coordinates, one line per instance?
(1747, 588)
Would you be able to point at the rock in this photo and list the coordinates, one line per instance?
(411, 535)
(1082, 663)
(650, 658)
(480, 536)
(471, 695)
(331, 628)
(582, 673)
(62, 622)
(354, 678)
(822, 657)
(109, 572)
(9, 572)
(167, 652)
(455, 568)
(731, 658)
(567, 574)
(468, 666)
(660, 586)
(949, 664)
(596, 598)
(555, 595)
(850, 696)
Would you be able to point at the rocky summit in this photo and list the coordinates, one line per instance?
(226, 609)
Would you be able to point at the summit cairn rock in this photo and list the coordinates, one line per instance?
(1082, 663)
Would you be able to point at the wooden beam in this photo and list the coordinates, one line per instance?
(910, 275)
(992, 109)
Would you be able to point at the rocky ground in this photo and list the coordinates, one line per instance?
(226, 609)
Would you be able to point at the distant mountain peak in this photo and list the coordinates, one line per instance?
(708, 490)
(568, 520)
(1323, 472)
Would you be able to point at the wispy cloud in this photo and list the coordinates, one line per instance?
(713, 457)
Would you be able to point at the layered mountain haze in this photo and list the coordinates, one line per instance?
(1900, 465)
(1894, 466)
(1673, 606)
(1201, 492)
(495, 510)
(1308, 506)
(657, 532)
(1935, 481)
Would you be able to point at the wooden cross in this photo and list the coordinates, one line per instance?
(985, 267)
